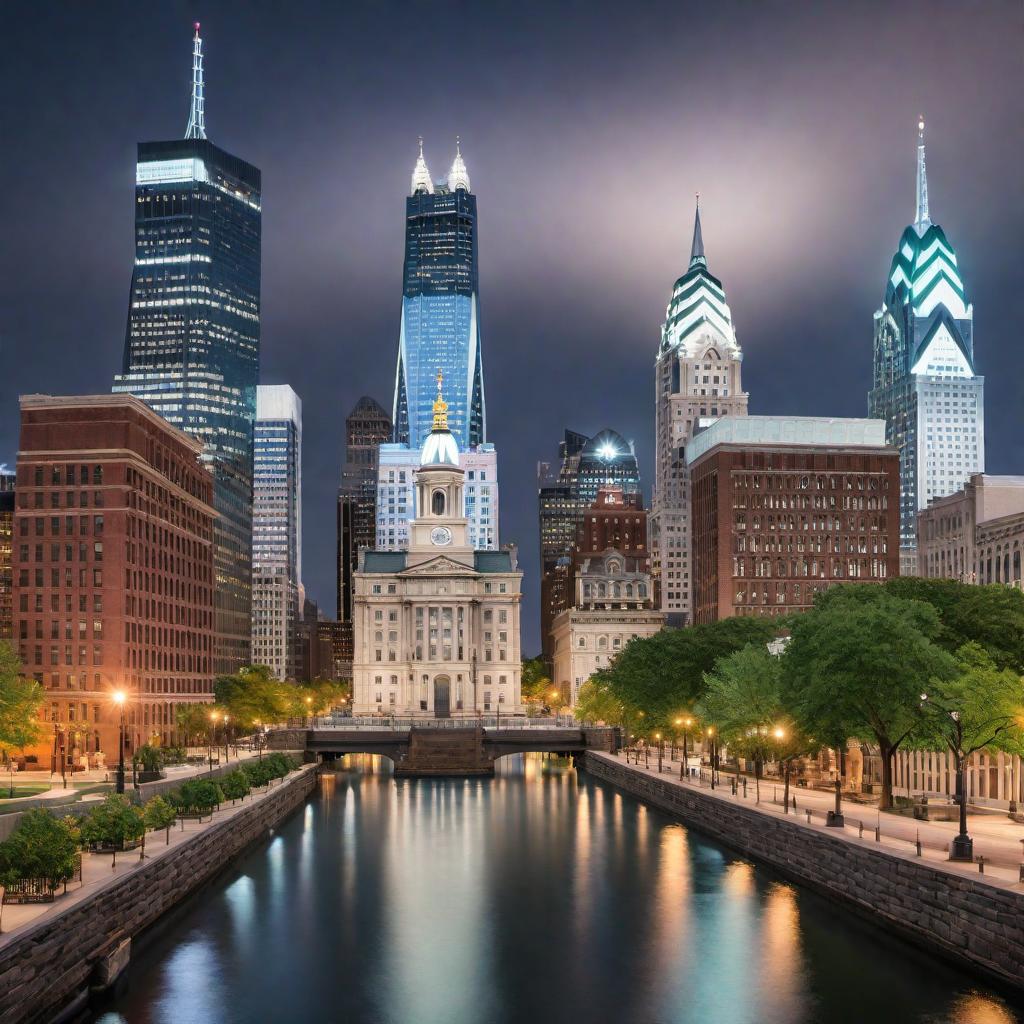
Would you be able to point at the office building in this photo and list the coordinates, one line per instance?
(6, 542)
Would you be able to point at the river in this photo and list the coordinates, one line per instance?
(536, 897)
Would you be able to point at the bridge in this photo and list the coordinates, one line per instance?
(428, 749)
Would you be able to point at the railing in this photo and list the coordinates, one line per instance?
(386, 723)
(39, 890)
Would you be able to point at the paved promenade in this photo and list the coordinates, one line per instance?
(997, 838)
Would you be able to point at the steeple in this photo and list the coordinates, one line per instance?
(440, 406)
(458, 176)
(697, 249)
(421, 180)
(440, 448)
(197, 114)
(922, 222)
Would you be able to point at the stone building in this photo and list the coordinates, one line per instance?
(437, 624)
(975, 535)
(786, 506)
(113, 569)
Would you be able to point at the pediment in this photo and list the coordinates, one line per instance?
(440, 566)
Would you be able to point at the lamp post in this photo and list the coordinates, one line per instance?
(685, 768)
(780, 734)
(962, 847)
(212, 737)
(227, 753)
(119, 699)
(711, 741)
(309, 710)
(661, 749)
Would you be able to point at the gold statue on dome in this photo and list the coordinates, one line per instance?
(440, 406)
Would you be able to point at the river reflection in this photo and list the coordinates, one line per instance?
(539, 896)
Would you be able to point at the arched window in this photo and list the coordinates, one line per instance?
(437, 503)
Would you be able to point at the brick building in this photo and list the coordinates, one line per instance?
(6, 540)
(113, 569)
(784, 507)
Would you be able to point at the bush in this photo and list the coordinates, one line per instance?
(174, 755)
(235, 785)
(280, 764)
(113, 823)
(150, 758)
(160, 813)
(198, 796)
(40, 847)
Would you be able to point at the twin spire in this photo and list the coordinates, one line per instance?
(197, 113)
(458, 176)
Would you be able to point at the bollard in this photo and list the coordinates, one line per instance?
(860, 829)
(745, 791)
(1022, 872)
(878, 833)
(981, 865)
(808, 817)
(918, 842)
(734, 785)
(794, 801)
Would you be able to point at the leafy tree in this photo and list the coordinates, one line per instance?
(194, 721)
(149, 758)
(197, 796)
(596, 703)
(20, 701)
(42, 846)
(991, 615)
(113, 823)
(253, 695)
(235, 785)
(856, 665)
(160, 814)
(981, 707)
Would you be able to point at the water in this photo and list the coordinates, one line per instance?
(540, 896)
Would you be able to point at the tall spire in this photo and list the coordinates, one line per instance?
(197, 114)
(440, 406)
(458, 176)
(921, 221)
(421, 180)
(697, 249)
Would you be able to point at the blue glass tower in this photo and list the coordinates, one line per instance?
(192, 341)
(440, 310)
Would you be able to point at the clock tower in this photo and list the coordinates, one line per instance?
(440, 525)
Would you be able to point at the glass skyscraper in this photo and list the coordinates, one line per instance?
(440, 328)
(925, 386)
(192, 341)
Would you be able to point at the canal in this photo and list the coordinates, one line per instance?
(536, 897)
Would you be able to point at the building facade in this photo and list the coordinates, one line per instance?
(697, 375)
(437, 625)
(924, 382)
(975, 535)
(440, 329)
(787, 506)
(113, 570)
(6, 546)
(192, 342)
(611, 594)
(277, 529)
(565, 494)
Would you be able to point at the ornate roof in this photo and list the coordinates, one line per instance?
(458, 176)
(421, 180)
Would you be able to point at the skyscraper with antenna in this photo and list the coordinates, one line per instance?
(192, 340)
(924, 384)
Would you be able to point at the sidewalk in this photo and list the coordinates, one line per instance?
(997, 839)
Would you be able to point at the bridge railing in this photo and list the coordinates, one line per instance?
(392, 724)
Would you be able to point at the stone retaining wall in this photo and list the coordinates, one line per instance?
(974, 922)
(46, 968)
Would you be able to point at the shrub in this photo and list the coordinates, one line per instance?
(160, 813)
(113, 823)
(280, 764)
(198, 795)
(259, 773)
(235, 785)
(40, 847)
(150, 758)
(174, 755)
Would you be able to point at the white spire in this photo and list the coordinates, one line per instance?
(421, 180)
(197, 114)
(921, 221)
(458, 176)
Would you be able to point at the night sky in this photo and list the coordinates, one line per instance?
(587, 128)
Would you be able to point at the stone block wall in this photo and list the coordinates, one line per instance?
(46, 967)
(975, 922)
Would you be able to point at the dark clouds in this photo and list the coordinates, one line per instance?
(587, 128)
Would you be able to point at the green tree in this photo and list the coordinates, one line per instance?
(160, 814)
(981, 707)
(113, 823)
(252, 695)
(991, 615)
(235, 785)
(536, 684)
(42, 846)
(193, 720)
(856, 665)
(20, 701)
(596, 703)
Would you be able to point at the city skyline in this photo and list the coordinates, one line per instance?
(569, 294)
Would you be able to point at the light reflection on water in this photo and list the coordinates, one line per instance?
(535, 897)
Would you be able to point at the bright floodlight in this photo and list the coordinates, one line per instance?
(607, 451)
(118, 697)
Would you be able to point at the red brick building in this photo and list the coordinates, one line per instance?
(784, 507)
(113, 570)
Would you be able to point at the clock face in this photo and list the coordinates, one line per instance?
(440, 535)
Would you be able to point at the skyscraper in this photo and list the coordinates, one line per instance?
(563, 496)
(697, 376)
(367, 427)
(924, 382)
(440, 328)
(277, 529)
(192, 341)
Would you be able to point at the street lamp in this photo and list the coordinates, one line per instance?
(212, 737)
(661, 749)
(684, 769)
(711, 740)
(119, 699)
(962, 847)
(227, 753)
(780, 734)
(309, 710)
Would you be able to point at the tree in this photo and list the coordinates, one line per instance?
(536, 683)
(252, 695)
(856, 665)
(194, 721)
(979, 708)
(991, 615)
(160, 814)
(235, 785)
(20, 701)
(113, 823)
(595, 702)
(197, 796)
(42, 846)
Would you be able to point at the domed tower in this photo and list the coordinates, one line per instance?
(924, 382)
(697, 376)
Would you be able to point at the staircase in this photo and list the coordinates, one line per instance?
(452, 752)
